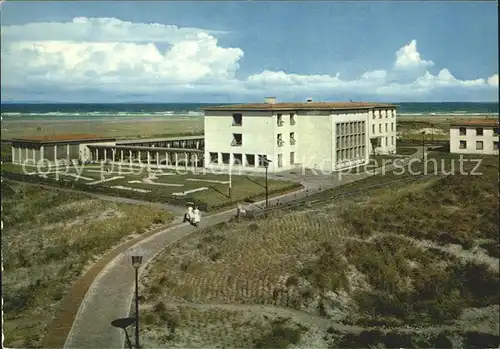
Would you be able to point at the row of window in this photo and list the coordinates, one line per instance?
(351, 153)
(250, 160)
(479, 145)
(479, 131)
(349, 141)
(345, 128)
(238, 119)
(380, 128)
(381, 140)
(383, 113)
(238, 139)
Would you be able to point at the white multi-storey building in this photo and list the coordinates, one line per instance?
(474, 137)
(317, 135)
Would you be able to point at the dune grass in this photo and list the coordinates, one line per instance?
(399, 256)
(49, 238)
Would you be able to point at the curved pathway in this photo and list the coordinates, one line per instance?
(111, 293)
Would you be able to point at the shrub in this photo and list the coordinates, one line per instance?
(279, 337)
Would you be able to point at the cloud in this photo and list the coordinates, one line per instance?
(117, 57)
(83, 29)
(407, 57)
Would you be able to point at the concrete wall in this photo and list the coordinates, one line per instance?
(488, 138)
(315, 140)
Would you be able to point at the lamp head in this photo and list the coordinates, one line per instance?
(136, 257)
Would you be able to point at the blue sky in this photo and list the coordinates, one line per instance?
(242, 51)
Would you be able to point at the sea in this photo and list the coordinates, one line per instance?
(37, 111)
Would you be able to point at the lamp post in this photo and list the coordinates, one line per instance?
(423, 146)
(266, 165)
(136, 257)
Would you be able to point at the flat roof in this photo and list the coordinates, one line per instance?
(60, 138)
(168, 139)
(478, 122)
(302, 106)
(153, 149)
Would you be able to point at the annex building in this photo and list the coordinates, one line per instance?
(56, 148)
(474, 137)
(326, 136)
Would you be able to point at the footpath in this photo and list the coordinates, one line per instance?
(111, 293)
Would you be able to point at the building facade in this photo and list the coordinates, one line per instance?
(317, 135)
(474, 137)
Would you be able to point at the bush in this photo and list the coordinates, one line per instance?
(280, 337)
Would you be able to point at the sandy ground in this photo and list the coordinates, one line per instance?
(106, 127)
(148, 126)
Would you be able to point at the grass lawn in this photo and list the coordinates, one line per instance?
(49, 238)
(216, 194)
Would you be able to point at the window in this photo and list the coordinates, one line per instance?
(496, 131)
(386, 127)
(225, 158)
(373, 129)
(463, 145)
(462, 131)
(237, 119)
(292, 138)
(380, 128)
(292, 118)
(392, 140)
(237, 159)
(380, 114)
(479, 145)
(386, 141)
(386, 113)
(280, 120)
(338, 155)
(392, 126)
(292, 158)
(389, 113)
(237, 140)
(280, 140)
(338, 142)
(250, 160)
(495, 145)
(479, 131)
(373, 113)
(280, 160)
(214, 158)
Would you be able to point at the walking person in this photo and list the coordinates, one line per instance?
(188, 216)
(197, 216)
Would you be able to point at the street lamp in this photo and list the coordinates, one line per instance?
(423, 146)
(136, 257)
(266, 162)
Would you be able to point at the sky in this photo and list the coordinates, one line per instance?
(125, 51)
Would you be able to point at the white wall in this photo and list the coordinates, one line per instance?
(315, 140)
(488, 138)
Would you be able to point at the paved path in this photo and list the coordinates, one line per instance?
(110, 296)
